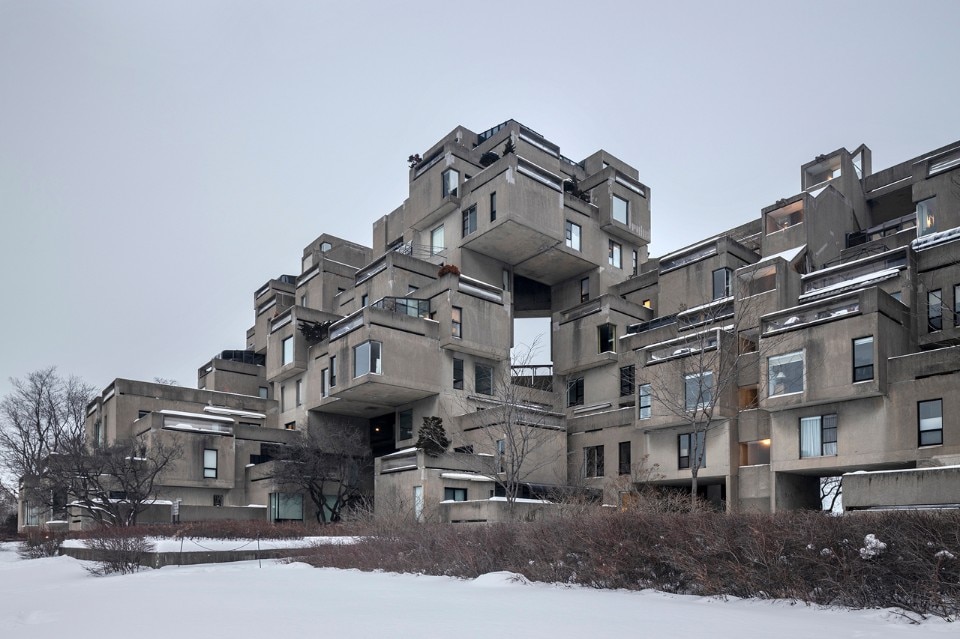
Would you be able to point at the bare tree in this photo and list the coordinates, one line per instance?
(329, 465)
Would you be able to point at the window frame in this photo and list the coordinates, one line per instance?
(493, 206)
(823, 424)
(726, 285)
(624, 461)
(573, 236)
(936, 419)
(683, 461)
(625, 208)
(456, 322)
(956, 304)
(286, 351)
(437, 241)
(451, 494)
(584, 290)
(801, 357)
(482, 372)
(701, 401)
(401, 427)
(935, 310)
(615, 254)
(610, 340)
(926, 216)
(575, 392)
(374, 354)
(458, 376)
(593, 461)
(445, 188)
(861, 372)
(210, 472)
(628, 377)
(644, 401)
(469, 221)
(298, 392)
(333, 371)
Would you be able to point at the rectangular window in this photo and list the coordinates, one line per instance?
(286, 507)
(573, 236)
(818, 436)
(454, 494)
(363, 300)
(575, 392)
(290, 426)
(593, 461)
(623, 467)
(405, 424)
(218, 501)
(621, 210)
(284, 402)
(926, 216)
(456, 321)
(366, 359)
(956, 305)
(483, 379)
(436, 240)
(863, 359)
(645, 401)
(287, 352)
(584, 289)
(264, 392)
(333, 371)
(636, 264)
(209, 463)
(458, 373)
(325, 382)
(493, 206)
(299, 392)
(627, 377)
(607, 338)
(690, 447)
(449, 181)
(470, 220)
(698, 390)
(930, 416)
(785, 374)
(722, 278)
(614, 254)
(934, 310)
(501, 457)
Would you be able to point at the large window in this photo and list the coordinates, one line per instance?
(621, 210)
(614, 254)
(483, 379)
(645, 401)
(405, 424)
(691, 446)
(449, 181)
(863, 359)
(818, 436)
(623, 465)
(927, 216)
(627, 377)
(458, 373)
(573, 236)
(607, 338)
(785, 374)
(286, 507)
(722, 283)
(575, 392)
(593, 461)
(698, 390)
(470, 220)
(935, 310)
(454, 494)
(436, 240)
(209, 463)
(930, 416)
(456, 321)
(366, 359)
(287, 352)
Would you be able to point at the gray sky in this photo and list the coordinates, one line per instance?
(159, 161)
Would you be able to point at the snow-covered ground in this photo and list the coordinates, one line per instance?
(203, 545)
(54, 598)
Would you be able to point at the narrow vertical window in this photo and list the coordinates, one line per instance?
(584, 289)
(926, 216)
(863, 359)
(607, 338)
(363, 300)
(483, 379)
(287, 352)
(436, 240)
(575, 392)
(614, 256)
(621, 210)
(691, 446)
(645, 401)
(636, 264)
(493, 206)
(456, 321)
(209, 463)
(405, 424)
(333, 371)
(956, 305)
(624, 465)
(572, 234)
(593, 461)
(458, 373)
(470, 220)
(325, 382)
(722, 278)
(930, 417)
(449, 182)
(934, 310)
(627, 376)
(299, 392)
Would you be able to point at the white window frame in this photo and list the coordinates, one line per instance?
(780, 360)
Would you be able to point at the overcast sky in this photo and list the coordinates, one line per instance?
(159, 161)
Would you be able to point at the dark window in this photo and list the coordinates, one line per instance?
(645, 402)
(455, 494)
(458, 373)
(584, 289)
(483, 379)
(493, 206)
(818, 436)
(607, 338)
(722, 278)
(218, 501)
(624, 464)
(405, 423)
(333, 371)
(627, 377)
(470, 220)
(575, 392)
(593, 461)
(636, 263)
(934, 310)
(686, 453)
(863, 359)
(142, 413)
(930, 417)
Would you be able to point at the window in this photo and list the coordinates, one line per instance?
(584, 289)
(956, 305)
(449, 180)
(863, 359)
(470, 220)
(299, 392)
(636, 264)
(325, 246)
(325, 382)
(456, 321)
(333, 371)
(573, 236)
(722, 278)
(303, 302)
(645, 402)
(698, 390)
(405, 423)
(614, 254)
(363, 300)
(142, 413)
(458, 373)
(926, 216)
(286, 507)
(575, 392)
(607, 338)
(698, 442)
(290, 426)
(627, 377)
(818, 436)
(287, 353)
(436, 240)
(593, 461)
(493, 206)
(785, 374)
(934, 310)
(218, 501)
(501, 456)
(621, 210)
(755, 453)
(930, 415)
(483, 379)
(264, 392)
(284, 402)
(623, 467)
(209, 463)
(454, 494)
(366, 359)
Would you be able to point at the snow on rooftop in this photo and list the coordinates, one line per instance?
(219, 410)
(933, 239)
(209, 418)
(465, 476)
(401, 453)
(854, 282)
(903, 470)
(789, 255)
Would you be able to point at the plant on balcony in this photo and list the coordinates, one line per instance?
(509, 148)
(414, 160)
(447, 269)
(488, 158)
(433, 437)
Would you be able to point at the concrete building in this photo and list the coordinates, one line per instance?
(819, 339)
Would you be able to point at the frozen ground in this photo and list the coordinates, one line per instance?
(55, 598)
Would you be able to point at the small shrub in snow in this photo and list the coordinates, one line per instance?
(119, 555)
(39, 543)
(872, 547)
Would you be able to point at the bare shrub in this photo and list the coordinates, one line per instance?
(119, 554)
(38, 543)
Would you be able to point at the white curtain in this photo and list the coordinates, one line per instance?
(810, 437)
